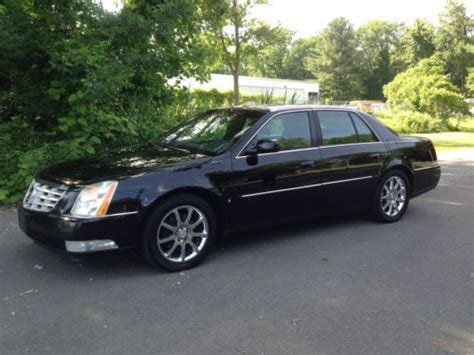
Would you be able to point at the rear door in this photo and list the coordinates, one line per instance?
(351, 158)
(272, 187)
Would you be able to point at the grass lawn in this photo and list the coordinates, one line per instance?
(449, 140)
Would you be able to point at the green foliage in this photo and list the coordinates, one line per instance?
(379, 45)
(409, 121)
(470, 83)
(418, 42)
(444, 103)
(187, 103)
(238, 36)
(453, 44)
(75, 80)
(270, 60)
(336, 63)
(425, 89)
(295, 65)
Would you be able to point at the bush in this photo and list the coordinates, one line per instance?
(426, 89)
(76, 80)
(24, 151)
(186, 103)
(409, 121)
(444, 104)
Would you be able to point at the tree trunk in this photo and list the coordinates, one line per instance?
(235, 75)
(236, 71)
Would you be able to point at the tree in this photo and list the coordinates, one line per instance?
(425, 88)
(273, 55)
(295, 66)
(70, 64)
(379, 43)
(453, 44)
(418, 42)
(75, 79)
(470, 83)
(336, 63)
(239, 36)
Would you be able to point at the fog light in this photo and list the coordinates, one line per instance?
(86, 246)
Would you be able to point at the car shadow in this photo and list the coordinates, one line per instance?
(286, 231)
(125, 264)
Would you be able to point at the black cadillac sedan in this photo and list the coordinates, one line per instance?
(225, 170)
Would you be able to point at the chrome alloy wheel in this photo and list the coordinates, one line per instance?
(182, 233)
(393, 197)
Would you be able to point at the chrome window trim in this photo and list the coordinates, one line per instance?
(347, 144)
(306, 149)
(349, 114)
(307, 186)
(238, 155)
(280, 152)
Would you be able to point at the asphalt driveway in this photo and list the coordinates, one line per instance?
(339, 285)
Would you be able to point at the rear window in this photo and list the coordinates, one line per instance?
(363, 131)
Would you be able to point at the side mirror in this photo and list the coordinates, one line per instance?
(264, 146)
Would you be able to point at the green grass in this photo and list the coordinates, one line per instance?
(447, 141)
(467, 125)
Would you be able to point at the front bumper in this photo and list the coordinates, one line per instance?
(76, 235)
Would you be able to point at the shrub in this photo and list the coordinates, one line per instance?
(77, 80)
(186, 103)
(444, 104)
(24, 150)
(426, 89)
(409, 121)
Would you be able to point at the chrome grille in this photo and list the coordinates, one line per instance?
(42, 197)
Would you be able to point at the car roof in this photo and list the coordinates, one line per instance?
(277, 108)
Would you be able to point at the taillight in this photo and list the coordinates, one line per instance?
(434, 157)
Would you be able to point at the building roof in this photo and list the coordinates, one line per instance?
(225, 82)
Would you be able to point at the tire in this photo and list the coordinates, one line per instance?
(164, 235)
(389, 205)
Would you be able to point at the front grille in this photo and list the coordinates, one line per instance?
(42, 197)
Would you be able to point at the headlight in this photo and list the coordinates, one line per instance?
(94, 200)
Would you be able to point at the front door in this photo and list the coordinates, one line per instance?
(277, 186)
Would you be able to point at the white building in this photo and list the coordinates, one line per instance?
(295, 91)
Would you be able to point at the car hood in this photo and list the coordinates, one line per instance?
(122, 164)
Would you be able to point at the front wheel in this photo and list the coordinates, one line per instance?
(179, 233)
(392, 197)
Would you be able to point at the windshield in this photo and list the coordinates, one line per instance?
(212, 132)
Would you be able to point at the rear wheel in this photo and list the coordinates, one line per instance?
(179, 232)
(392, 197)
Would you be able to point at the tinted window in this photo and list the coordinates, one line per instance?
(290, 129)
(363, 131)
(337, 128)
(212, 132)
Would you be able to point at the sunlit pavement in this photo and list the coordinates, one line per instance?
(339, 285)
(457, 155)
